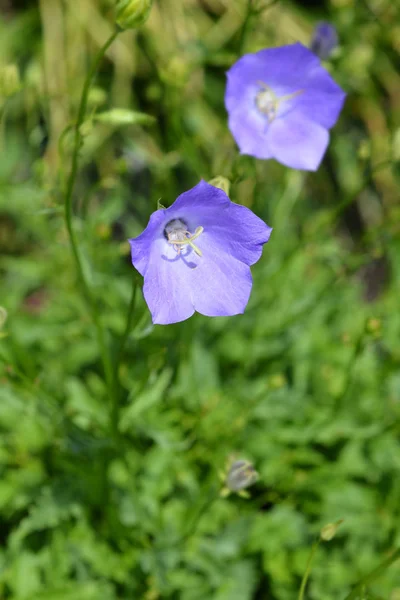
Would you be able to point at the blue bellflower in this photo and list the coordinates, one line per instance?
(196, 256)
(281, 103)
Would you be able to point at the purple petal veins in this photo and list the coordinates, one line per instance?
(196, 256)
(281, 103)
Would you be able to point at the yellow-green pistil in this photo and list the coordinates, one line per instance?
(178, 235)
(268, 102)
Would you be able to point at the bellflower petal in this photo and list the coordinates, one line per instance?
(282, 85)
(196, 256)
(250, 129)
(220, 278)
(139, 250)
(322, 99)
(298, 142)
(167, 303)
(285, 66)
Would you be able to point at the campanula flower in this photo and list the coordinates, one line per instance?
(281, 103)
(196, 256)
(324, 40)
(239, 475)
(242, 474)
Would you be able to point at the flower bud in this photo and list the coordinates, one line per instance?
(222, 183)
(324, 40)
(10, 82)
(329, 531)
(241, 475)
(132, 13)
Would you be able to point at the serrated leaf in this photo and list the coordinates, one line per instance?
(150, 397)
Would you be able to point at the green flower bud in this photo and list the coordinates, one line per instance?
(329, 531)
(222, 183)
(132, 13)
(10, 82)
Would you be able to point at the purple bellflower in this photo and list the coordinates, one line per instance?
(196, 256)
(281, 103)
(324, 40)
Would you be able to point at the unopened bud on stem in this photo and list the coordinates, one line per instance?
(329, 531)
(132, 13)
(222, 183)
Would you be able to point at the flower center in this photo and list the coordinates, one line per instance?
(267, 102)
(177, 234)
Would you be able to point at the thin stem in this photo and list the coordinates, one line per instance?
(251, 11)
(68, 211)
(192, 526)
(120, 351)
(348, 200)
(308, 569)
(3, 110)
(243, 32)
(129, 318)
(373, 575)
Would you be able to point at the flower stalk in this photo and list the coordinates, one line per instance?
(307, 573)
(120, 351)
(370, 577)
(87, 292)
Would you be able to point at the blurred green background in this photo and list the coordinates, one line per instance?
(305, 384)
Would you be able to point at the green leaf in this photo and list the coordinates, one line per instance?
(147, 399)
(123, 116)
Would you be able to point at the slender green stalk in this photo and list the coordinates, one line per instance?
(367, 579)
(213, 496)
(243, 32)
(341, 206)
(120, 351)
(308, 569)
(3, 110)
(252, 11)
(68, 212)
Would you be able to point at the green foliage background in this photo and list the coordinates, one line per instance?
(305, 384)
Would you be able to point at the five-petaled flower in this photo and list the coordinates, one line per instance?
(196, 256)
(281, 103)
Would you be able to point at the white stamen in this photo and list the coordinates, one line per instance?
(177, 234)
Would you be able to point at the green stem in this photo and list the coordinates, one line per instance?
(373, 575)
(308, 569)
(120, 351)
(251, 11)
(68, 212)
(192, 526)
(243, 32)
(336, 212)
(3, 110)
